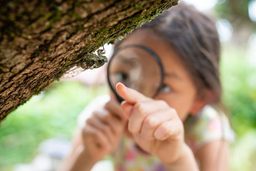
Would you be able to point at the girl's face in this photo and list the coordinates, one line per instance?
(179, 91)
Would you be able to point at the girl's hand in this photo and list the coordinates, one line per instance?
(155, 126)
(103, 131)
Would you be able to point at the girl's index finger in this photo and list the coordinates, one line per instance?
(130, 95)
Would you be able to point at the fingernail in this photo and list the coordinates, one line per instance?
(121, 84)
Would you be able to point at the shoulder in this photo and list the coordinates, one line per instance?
(93, 105)
(209, 125)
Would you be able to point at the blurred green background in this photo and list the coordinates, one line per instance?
(53, 113)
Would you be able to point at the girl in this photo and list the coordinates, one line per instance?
(182, 128)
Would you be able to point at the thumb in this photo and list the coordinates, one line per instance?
(127, 108)
(130, 95)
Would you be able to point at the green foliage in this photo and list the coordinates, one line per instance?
(243, 154)
(50, 114)
(239, 82)
(232, 9)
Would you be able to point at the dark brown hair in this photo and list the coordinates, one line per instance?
(194, 37)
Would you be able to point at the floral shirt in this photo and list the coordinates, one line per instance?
(208, 125)
(128, 157)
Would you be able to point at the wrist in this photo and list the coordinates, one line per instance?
(185, 161)
(82, 153)
(82, 161)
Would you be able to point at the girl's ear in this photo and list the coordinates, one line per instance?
(197, 106)
(208, 97)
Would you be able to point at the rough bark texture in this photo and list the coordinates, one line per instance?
(41, 39)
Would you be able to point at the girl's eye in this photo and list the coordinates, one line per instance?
(166, 89)
(122, 76)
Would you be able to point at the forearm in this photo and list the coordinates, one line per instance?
(78, 161)
(185, 162)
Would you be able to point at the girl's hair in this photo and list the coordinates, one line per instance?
(195, 39)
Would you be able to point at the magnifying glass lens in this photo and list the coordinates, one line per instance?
(136, 68)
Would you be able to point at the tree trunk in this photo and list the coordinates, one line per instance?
(41, 39)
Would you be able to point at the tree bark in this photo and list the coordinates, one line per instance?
(41, 39)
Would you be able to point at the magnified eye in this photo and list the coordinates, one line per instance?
(123, 77)
(166, 89)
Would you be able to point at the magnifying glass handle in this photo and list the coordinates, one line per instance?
(119, 99)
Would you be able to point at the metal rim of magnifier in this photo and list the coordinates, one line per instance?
(148, 50)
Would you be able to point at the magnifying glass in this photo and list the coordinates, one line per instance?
(137, 67)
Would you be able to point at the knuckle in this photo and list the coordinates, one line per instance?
(140, 108)
(162, 103)
(106, 129)
(88, 121)
(107, 117)
(87, 132)
(174, 114)
(107, 104)
(150, 122)
(165, 128)
(180, 126)
(173, 111)
(94, 113)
